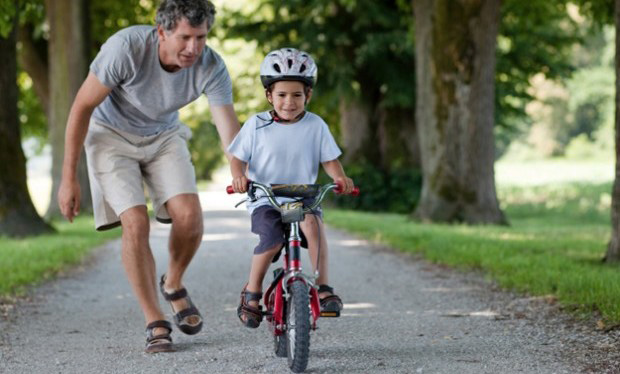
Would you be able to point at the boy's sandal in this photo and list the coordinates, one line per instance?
(331, 303)
(160, 342)
(253, 316)
(180, 317)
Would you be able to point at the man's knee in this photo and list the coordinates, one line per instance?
(135, 224)
(189, 223)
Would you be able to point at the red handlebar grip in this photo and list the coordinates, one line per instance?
(230, 190)
(355, 192)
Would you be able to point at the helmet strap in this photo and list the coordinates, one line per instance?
(276, 117)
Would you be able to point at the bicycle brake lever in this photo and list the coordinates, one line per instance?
(241, 202)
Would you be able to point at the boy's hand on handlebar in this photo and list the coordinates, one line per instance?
(240, 184)
(346, 185)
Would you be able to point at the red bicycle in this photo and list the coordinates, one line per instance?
(292, 299)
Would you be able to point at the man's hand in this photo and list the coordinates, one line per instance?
(69, 196)
(345, 183)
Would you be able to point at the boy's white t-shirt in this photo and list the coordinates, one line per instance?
(278, 153)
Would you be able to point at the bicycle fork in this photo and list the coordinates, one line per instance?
(292, 271)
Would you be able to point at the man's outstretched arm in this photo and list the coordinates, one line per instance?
(227, 124)
(91, 93)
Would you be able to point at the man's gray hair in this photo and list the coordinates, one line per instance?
(195, 11)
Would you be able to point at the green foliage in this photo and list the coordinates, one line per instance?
(554, 246)
(7, 17)
(600, 11)
(205, 148)
(363, 48)
(109, 17)
(534, 37)
(32, 260)
(32, 119)
(397, 191)
(575, 117)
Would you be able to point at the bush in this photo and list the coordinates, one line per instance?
(206, 151)
(396, 191)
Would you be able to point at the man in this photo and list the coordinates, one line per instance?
(125, 114)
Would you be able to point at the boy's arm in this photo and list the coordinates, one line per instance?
(237, 169)
(334, 169)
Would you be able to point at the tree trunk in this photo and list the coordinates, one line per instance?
(381, 137)
(455, 70)
(354, 127)
(613, 250)
(18, 216)
(68, 66)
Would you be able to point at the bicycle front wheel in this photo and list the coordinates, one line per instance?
(298, 326)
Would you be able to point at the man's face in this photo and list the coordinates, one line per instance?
(181, 47)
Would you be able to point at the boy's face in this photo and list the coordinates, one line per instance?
(288, 99)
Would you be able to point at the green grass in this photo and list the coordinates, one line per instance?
(29, 261)
(554, 244)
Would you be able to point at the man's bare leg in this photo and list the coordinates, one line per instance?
(185, 237)
(139, 262)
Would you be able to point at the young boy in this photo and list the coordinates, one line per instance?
(284, 145)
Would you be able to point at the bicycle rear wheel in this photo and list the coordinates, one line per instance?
(298, 326)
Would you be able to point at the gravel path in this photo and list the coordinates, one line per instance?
(402, 315)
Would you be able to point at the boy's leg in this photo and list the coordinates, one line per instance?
(314, 230)
(267, 224)
(260, 264)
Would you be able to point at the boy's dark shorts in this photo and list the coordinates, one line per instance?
(267, 224)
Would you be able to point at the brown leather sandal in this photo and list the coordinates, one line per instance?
(161, 342)
(253, 316)
(183, 314)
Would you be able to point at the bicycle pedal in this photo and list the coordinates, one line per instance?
(330, 314)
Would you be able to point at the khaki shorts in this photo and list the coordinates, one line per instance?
(119, 163)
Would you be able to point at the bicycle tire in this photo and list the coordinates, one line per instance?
(298, 326)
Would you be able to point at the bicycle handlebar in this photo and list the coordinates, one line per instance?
(320, 195)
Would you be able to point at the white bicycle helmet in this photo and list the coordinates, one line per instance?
(288, 64)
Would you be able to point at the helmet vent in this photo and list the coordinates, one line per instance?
(276, 67)
(302, 68)
(290, 63)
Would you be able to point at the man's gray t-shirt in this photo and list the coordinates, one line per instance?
(283, 153)
(145, 98)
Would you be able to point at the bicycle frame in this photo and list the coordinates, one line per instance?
(292, 270)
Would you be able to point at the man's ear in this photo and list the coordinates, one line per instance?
(161, 33)
(308, 96)
(268, 96)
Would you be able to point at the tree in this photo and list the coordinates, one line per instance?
(455, 106)
(613, 249)
(18, 216)
(68, 66)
